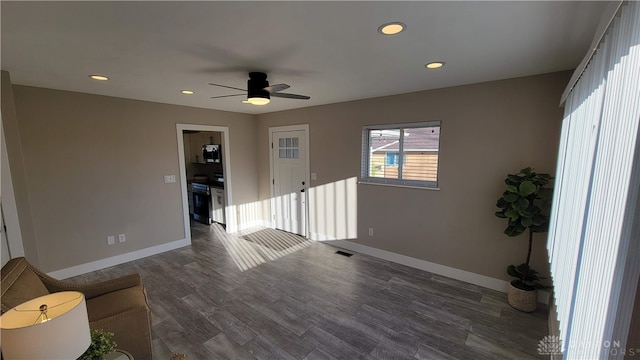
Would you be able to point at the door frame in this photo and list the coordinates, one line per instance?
(307, 172)
(230, 219)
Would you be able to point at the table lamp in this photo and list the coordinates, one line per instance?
(54, 326)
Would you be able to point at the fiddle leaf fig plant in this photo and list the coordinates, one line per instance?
(526, 204)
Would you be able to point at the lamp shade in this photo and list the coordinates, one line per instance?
(54, 326)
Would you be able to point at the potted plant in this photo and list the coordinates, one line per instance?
(526, 204)
(101, 345)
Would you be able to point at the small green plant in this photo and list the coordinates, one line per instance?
(526, 204)
(101, 345)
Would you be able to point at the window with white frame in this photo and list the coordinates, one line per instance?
(401, 154)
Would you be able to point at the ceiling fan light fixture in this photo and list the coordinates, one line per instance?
(259, 92)
(257, 101)
(256, 85)
(392, 28)
(187, 92)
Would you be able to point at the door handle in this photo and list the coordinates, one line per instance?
(302, 190)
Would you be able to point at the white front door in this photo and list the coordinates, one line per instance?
(290, 184)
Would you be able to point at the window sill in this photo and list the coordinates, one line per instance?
(363, 182)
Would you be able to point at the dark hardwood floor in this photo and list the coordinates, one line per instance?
(273, 295)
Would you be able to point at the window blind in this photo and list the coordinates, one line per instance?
(596, 196)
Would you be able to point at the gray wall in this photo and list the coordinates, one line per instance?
(94, 167)
(488, 130)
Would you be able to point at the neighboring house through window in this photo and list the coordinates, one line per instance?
(401, 154)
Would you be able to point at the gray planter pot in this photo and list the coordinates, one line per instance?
(522, 300)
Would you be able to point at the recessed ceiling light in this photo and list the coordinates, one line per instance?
(392, 28)
(187, 92)
(99, 77)
(435, 65)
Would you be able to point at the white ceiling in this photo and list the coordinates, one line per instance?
(330, 51)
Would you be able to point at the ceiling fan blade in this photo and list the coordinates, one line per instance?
(290, 96)
(277, 87)
(224, 96)
(228, 87)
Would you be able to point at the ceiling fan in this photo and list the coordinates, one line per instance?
(259, 92)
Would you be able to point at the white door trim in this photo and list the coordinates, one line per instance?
(307, 171)
(230, 217)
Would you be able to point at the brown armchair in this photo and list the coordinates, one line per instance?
(119, 306)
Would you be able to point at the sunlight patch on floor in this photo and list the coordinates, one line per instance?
(254, 247)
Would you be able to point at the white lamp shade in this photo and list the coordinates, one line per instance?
(65, 335)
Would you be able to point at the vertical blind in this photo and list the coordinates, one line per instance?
(592, 249)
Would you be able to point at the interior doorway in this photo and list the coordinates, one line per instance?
(290, 178)
(190, 156)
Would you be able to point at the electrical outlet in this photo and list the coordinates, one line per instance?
(121, 238)
(370, 231)
(111, 240)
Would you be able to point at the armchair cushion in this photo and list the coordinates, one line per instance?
(116, 302)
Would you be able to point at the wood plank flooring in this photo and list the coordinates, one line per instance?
(283, 297)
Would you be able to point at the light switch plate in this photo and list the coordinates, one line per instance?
(122, 238)
(168, 179)
(111, 240)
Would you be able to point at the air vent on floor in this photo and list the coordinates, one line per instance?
(343, 253)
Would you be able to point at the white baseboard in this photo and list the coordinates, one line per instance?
(322, 237)
(462, 275)
(118, 259)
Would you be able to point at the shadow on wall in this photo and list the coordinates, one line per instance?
(332, 216)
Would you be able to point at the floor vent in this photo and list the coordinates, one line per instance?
(343, 253)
